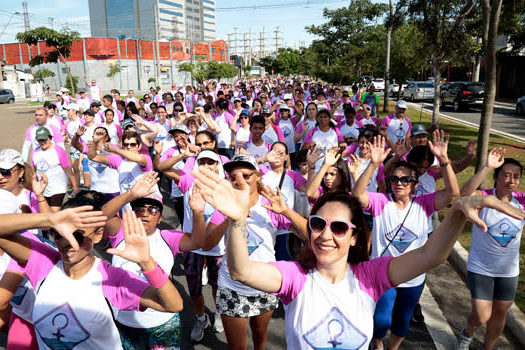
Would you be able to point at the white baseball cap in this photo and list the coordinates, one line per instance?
(72, 106)
(9, 158)
(401, 104)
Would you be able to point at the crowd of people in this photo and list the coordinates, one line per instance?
(288, 191)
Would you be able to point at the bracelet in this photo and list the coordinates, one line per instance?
(444, 164)
(156, 277)
(43, 200)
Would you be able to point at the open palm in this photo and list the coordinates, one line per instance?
(496, 158)
(221, 194)
(277, 203)
(378, 153)
(136, 247)
(439, 146)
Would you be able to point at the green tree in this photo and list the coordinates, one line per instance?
(72, 83)
(61, 42)
(114, 68)
(246, 69)
(41, 74)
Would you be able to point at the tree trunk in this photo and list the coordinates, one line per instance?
(492, 10)
(477, 64)
(387, 68)
(68, 70)
(437, 90)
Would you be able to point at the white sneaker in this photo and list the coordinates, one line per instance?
(217, 323)
(205, 275)
(197, 333)
(463, 341)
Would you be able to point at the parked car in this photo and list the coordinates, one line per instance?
(520, 105)
(7, 96)
(394, 89)
(419, 90)
(445, 86)
(462, 95)
(379, 84)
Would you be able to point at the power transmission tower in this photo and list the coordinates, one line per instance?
(235, 39)
(174, 28)
(276, 31)
(245, 48)
(51, 22)
(230, 48)
(26, 16)
(261, 44)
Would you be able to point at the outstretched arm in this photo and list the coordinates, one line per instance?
(436, 250)
(494, 160)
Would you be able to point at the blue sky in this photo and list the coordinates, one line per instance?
(75, 14)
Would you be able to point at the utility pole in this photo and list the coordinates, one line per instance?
(250, 46)
(261, 44)
(229, 44)
(245, 47)
(235, 39)
(157, 53)
(276, 31)
(26, 16)
(51, 20)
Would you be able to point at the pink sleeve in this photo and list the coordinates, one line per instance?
(293, 278)
(279, 132)
(432, 172)
(409, 125)
(62, 157)
(33, 202)
(28, 133)
(351, 149)
(520, 197)
(123, 289)
(263, 169)
(185, 182)
(386, 121)
(86, 149)
(57, 134)
(114, 160)
(427, 201)
(309, 135)
(380, 173)
(172, 238)
(300, 127)
(188, 167)
(279, 221)
(217, 218)
(376, 120)
(149, 164)
(376, 203)
(340, 137)
(488, 192)
(41, 260)
(119, 130)
(297, 178)
(373, 276)
(228, 117)
(168, 154)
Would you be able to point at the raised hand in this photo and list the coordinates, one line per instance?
(108, 147)
(378, 153)
(353, 166)
(192, 150)
(400, 149)
(136, 247)
(313, 155)
(67, 221)
(98, 136)
(158, 146)
(37, 185)
(277, 203)
(471, 205)
(274, 156)
(331, 156)
(471, 148)
(81, 130)
(145, 185)
(496, 158)
(439, 146)
(221, 194)
(197, 203)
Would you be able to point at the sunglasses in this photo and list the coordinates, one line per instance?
(339, 228)
(245, 176)
(149, 209)
(244, 117)
(129, 144)
(405, 180)
(6, 172)
(78, 234)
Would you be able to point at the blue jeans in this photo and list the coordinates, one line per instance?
(394, 310)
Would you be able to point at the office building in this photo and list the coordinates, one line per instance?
(192, 20)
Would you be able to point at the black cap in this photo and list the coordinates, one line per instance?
(89, 111)
(49, 104)
(95, 104)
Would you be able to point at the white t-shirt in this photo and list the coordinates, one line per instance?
(391, 235)
(164, 245)
(261, 230)
(270, 136)
(242, 135)
(128, 171)
(324, 315)
(495, 253)
(52, 163)
(224, 138)
(349, 131)
(288, 130)
(257, 151)
(104, 179)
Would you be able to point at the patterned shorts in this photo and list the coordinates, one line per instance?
(165, 336)
(232, 304)
(74, 154)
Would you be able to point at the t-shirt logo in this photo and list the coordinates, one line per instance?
(335, 331)
(400, 132)
(286, 130)
(61, 329)
(42, 166)
(401, 238)
(99, 168)
(503, 232)
(19, 295)
(254, 241)
(127, 182)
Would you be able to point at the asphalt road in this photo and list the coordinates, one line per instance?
(14, 120)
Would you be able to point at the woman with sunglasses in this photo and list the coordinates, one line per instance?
(128, 160)
(401, 225)
(237, 302)
(494, 258)
(75, 291)
(330, 293)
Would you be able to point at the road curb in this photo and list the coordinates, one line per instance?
(515, 318)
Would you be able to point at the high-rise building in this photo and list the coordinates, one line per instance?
(177, 19)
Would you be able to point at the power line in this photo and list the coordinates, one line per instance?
(275, 6)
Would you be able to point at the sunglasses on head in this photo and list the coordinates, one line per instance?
(78, 234)
(405, 180)
(6, 172)
(151, 210)
(339, 228)
(245, 176)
